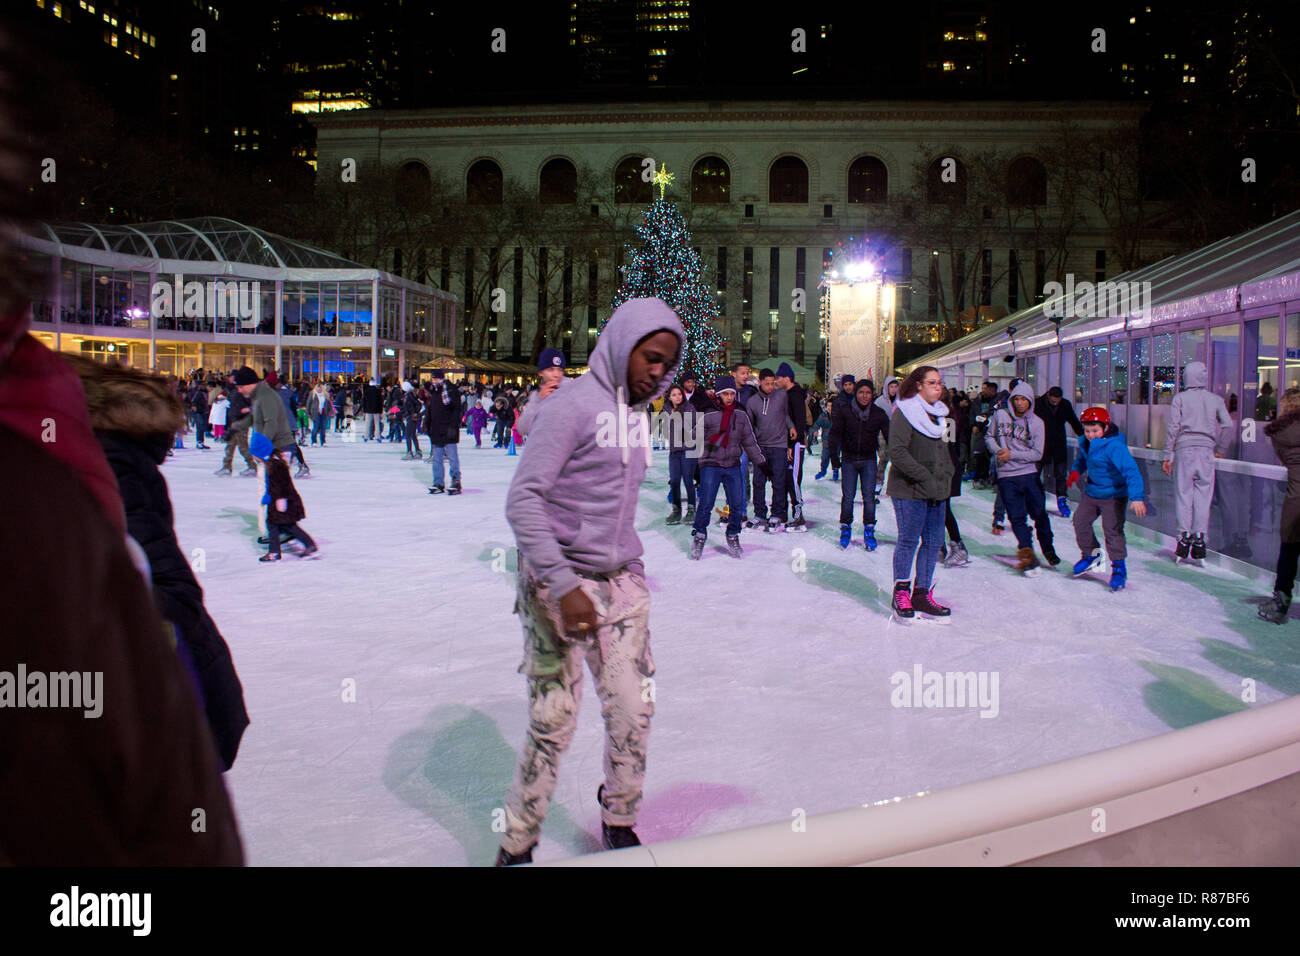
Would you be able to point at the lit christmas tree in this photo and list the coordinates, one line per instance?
(666, 267)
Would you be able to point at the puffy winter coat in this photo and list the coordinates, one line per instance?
(920, 467)
(270, 417)
(740, 438)
(442, 414)
(1109, 466)
(279, 484)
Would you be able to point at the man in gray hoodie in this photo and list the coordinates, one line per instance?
(1017, 438)
(1200, 430)
(582, 595)
(773, 428)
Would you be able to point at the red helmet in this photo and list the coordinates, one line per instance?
(1097, 415)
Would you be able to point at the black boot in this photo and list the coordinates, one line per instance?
(510, 859)
(675, 517)
(1184, 546)
(614, 838)
(455, 487)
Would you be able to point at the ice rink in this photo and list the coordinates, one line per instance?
(776, 686)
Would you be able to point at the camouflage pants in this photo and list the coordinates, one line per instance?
(619, 658)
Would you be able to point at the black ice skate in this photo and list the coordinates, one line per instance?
(923, 603)
(455, 487)
(1198, 547)
(675, 517)
(1183, 548)
(1277, 609)
(511, 859)
(437, 490)
(733, 545)
(1050, 554)
(697, 545)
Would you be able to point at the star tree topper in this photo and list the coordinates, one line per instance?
(663, 177)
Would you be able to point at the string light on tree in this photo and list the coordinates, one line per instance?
(664, 266)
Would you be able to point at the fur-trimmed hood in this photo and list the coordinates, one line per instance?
(138, 404)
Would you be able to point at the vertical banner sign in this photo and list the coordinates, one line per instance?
(861, 334)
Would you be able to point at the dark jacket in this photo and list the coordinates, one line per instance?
(855, 431)
(134, 420)
(442, 414)
(1054, 421)
(740, 438)
(279, 484)
(199, 401)
(290, 399)
(679, 429)
(411, 405)
(1285, 433)
(700, 399)
(797, 403)
(270, 417)
(372, 400)
(920, 467)
(240, 413)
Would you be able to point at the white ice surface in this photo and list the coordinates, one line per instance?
(773, 687)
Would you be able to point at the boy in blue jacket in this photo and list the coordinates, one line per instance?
(1113, 481)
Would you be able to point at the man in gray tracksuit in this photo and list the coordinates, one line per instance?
(769, 413)
(581, 594)
(1200, 430)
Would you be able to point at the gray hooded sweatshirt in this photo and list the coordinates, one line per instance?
(1025, 437)
(1197, 417)
(770, 416)
(883, 401)
(572, 502)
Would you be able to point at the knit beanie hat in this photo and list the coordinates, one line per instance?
(724, 383)
(847, 380)
(246, 376)
(785, 370)
(259, 446)
(550, 358)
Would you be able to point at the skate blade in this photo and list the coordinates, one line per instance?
(924, 618)
(905, 621)
(1032, 572)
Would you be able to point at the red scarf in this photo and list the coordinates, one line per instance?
(725, 432)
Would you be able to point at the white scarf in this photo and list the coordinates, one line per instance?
(918, 414)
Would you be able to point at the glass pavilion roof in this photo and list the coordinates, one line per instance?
(1272, 249)
(206, 239)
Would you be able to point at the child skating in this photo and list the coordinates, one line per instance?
(283, 505)
(1113, 481)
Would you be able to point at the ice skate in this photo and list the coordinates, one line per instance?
(690, 514)
(1050, 554)
(268, 557)
(509, 859)
(248, 473)
(775, 526)
(733, 545)
(437, 490)
(820, 475)
(222, 471)
(1277, 609)
(797, 526)
(902, 602)
(923, 603)
(302, 472)
(1118, 575)
(697, 545)
(1198, 548)
(308, 551)
(998, 527)
(408, 457)
(455, 487)
(1183, 548)
(1027, 563)
(846, 535)
(1089, 562)
(751, 525)
(675, 517)
(1063, 506)
(957, 556)
(869, 537)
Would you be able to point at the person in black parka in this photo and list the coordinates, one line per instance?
(135, 416)
(1056, 412)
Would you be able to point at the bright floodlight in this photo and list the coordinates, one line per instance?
(858, 271)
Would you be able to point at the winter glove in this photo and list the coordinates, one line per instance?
(1073, 480)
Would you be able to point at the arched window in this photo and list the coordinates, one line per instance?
(711, 181)
(483, 184)
(946, 181)
(868, 180)
(629, 187)
(411, 186)
(559, 182)
(1027, 182)
(787, 180)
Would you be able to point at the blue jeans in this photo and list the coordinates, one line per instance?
(1023, 495)
(919, 523)
(744, 486)
(452, 454)
(850, 472)
(319, 428)
(775, 456)
(732, 481)
(681, 468)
